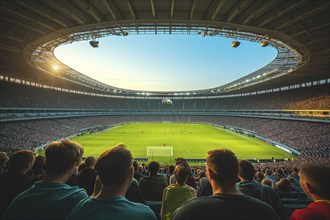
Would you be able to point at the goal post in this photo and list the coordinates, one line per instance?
(160, 151)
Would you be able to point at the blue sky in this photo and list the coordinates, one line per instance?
(165, 62)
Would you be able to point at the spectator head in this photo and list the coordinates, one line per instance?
(295, 170)
(63, 157)
(181, 173)
(292, 181)
(284, 185)
(201, 174)
(267, 182)
(246, 170)
(3, 158)
(115, 166)
(39, 164)
(136, 166)
(315, 181)
(180, 160)
(90, 162)
(222, 166)
(22, 161)
(269, 172)
(171, 168)
(259, 176)
(153, 168)
(279, 174)
(183, 161)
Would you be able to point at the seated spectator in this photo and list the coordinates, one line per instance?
(170, 173)
(115, 172)
(269, 175)
(294, 174)
(279, 174)
(204, 187)
(137, 174)
(284, 185)
(38, 170)
(50, 198)
(267, 182)
(134, 192)
(176, 194)
(259, 176)
(15, 180)
(226, 202)
(315, 182)
(294, 187)
(86, 178)
(253, 188)
(153, 185)
(191, 180)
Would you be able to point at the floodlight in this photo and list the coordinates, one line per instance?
(56, 67)
(264, 43)
(94, 43)
(235, 43)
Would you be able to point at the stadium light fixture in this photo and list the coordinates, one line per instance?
(94, 43)
(235, 44)
(55, 67)
(264, 43)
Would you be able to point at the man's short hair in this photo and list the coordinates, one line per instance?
(181, 173)
(246, 170)
(90, 161)
(224, 164)
(318, 176)
(61, 156)
(153, 167)
(113, 165)
(21, 160)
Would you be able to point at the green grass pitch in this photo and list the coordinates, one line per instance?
(188, 141)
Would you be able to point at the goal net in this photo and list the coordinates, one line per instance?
(159, 151)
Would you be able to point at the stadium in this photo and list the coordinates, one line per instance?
(276, 116)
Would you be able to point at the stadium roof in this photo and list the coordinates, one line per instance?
(303, 25)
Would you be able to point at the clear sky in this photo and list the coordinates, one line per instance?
(165, 62)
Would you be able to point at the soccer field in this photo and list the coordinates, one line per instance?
(188, 141)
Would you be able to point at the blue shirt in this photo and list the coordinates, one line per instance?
(113, 208)
(45, 201)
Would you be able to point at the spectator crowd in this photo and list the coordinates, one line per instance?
(114, 186)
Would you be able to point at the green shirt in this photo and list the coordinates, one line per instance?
(173, 197)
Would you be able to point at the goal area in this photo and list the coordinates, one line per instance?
(160, 151)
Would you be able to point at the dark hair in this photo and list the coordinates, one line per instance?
(60, 156)
(21, 160)
(181, 173)
(90, 161)
(246, 170)
(153, 167)
(224, 164)
(113, 165)
(180, 160)
(171, 168)
(319, 178)
(40, 162)
(135, 165)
